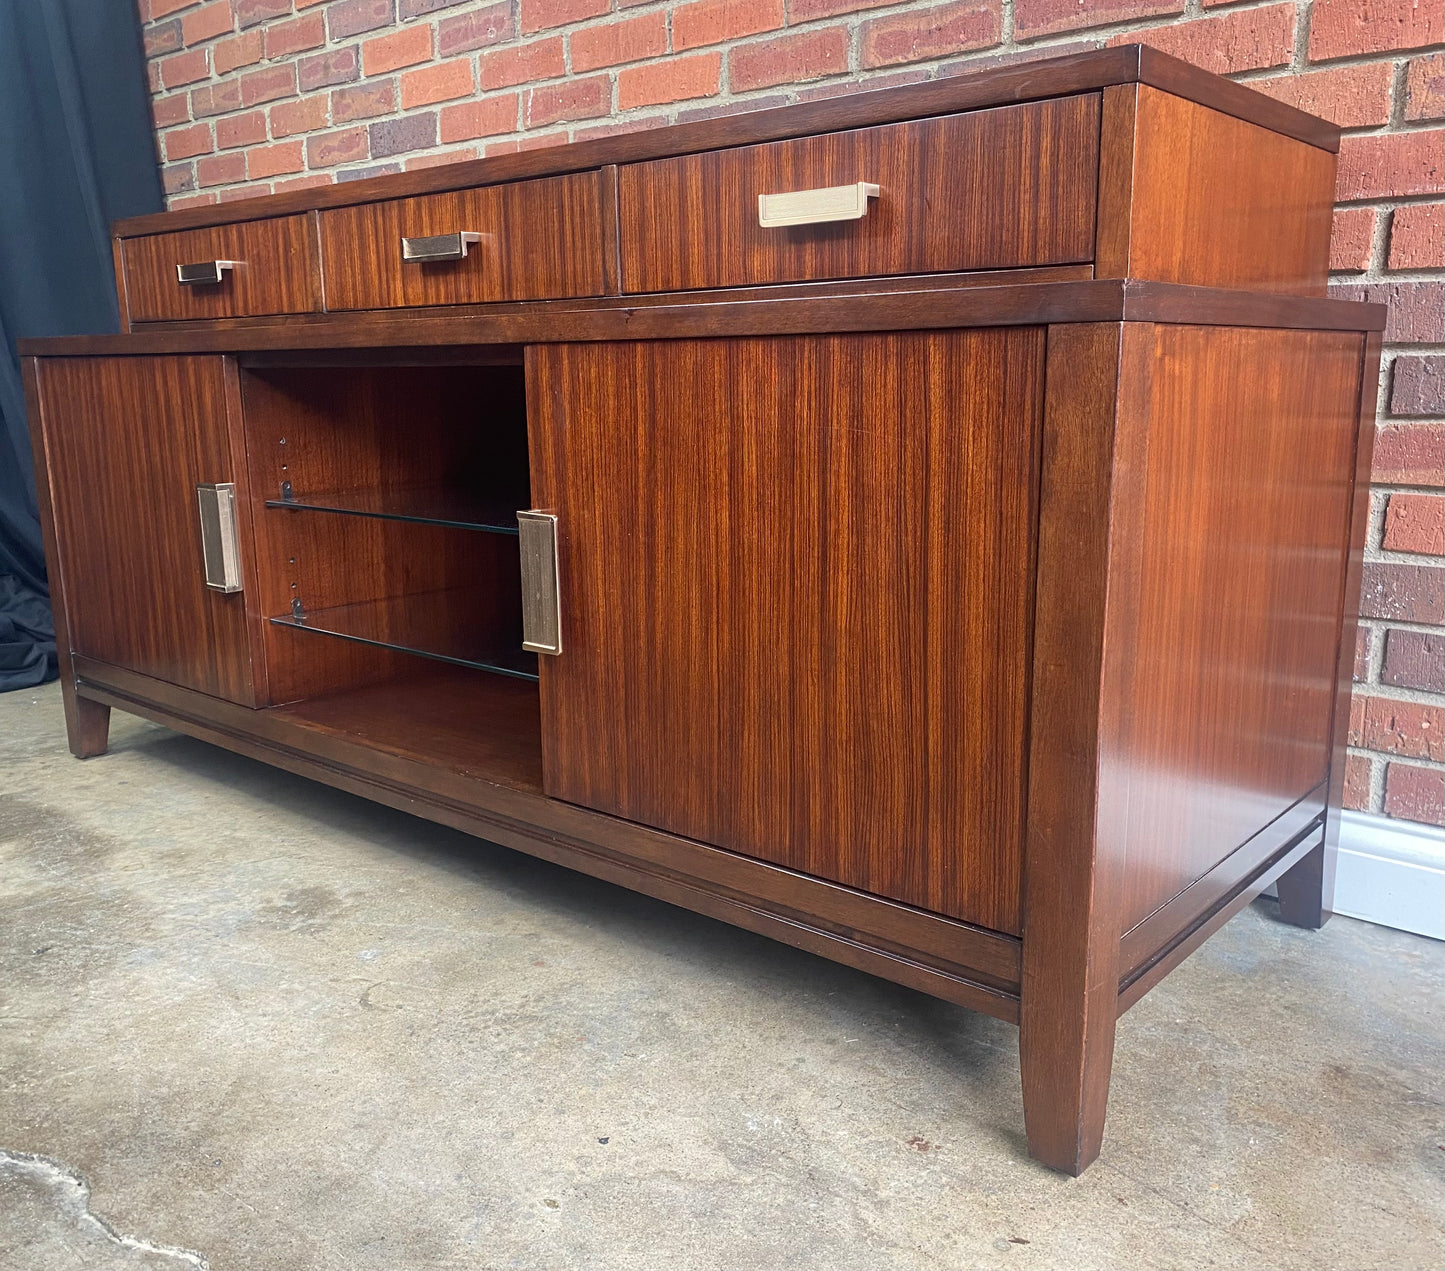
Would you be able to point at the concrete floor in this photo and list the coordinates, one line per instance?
(251, 1024)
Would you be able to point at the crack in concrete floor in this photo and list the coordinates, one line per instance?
(46, 1220)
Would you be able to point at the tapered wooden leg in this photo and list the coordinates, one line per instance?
(1307, 888)
(1066, 1056)
(88, 725)
(1069, 995)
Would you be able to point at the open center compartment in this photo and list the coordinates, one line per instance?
(384, 498)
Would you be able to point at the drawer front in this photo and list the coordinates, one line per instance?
(534, 240)
(272, 270)
(991, 189)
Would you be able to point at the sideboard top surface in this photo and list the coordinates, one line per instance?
(1000, 85)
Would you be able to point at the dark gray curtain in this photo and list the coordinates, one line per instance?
(76, 152)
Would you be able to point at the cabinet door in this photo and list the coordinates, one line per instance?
(127, 440)
(795, 595)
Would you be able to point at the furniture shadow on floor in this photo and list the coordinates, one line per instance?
(966, 1052)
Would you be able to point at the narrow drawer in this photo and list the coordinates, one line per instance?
(262, 267)
(990, 189)
(532, 240)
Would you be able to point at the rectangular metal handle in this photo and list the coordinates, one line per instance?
(220, 547)
(541, 602)
(205, 273)
(418, 251)
(813, 207)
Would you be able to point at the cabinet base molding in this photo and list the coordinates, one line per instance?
(1181, 926)
(951, 960)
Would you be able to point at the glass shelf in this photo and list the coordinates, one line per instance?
(433, 505)
(430, 625)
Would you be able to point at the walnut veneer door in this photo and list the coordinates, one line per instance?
(127, 441)
(795, 599)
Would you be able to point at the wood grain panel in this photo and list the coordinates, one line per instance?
(795, 613)
(1234, 474)
(466, 722)
(128, 440)
(87, 724)
(1191, 195)
(540, 240)
(946, 95)
(1205, 896)
(991, 189)
(276, 271)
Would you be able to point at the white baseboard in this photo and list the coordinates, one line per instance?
(1391, 873)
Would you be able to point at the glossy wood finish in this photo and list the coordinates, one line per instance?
(991, 189)
(1191, 938)
(1153, 937)
(90, 732)
(1230, 545)
(1071, 870)
(474, 725)
(886, 309)
(896, 284)
(401, 431)
(276, 271)
(86, 727)
(1190, 195)
(540, 240)
(749, 588)
(979, 629)
(1306, 894)
(1017, 82)
(126, 442)
(950, 960)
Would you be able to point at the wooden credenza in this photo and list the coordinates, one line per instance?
(942, 519)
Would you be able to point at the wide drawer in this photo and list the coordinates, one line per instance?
(990, 189)
(262, 267)
(532, 240)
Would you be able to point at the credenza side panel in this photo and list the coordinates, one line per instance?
(128, 439)
(1234, 459)
(1192, 195)
(795, 591)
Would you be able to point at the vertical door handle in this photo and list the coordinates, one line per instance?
(541, 601)
(220, 549)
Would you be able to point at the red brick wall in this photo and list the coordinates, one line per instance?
(252, 96)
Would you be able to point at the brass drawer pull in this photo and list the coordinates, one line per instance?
(220, 544)
(813, 207)
(419, 251)
(541, 601)
(205, 273)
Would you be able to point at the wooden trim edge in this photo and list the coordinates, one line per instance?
(556, 321)
(1174, 919)
(1134, 986)
(877, 955)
